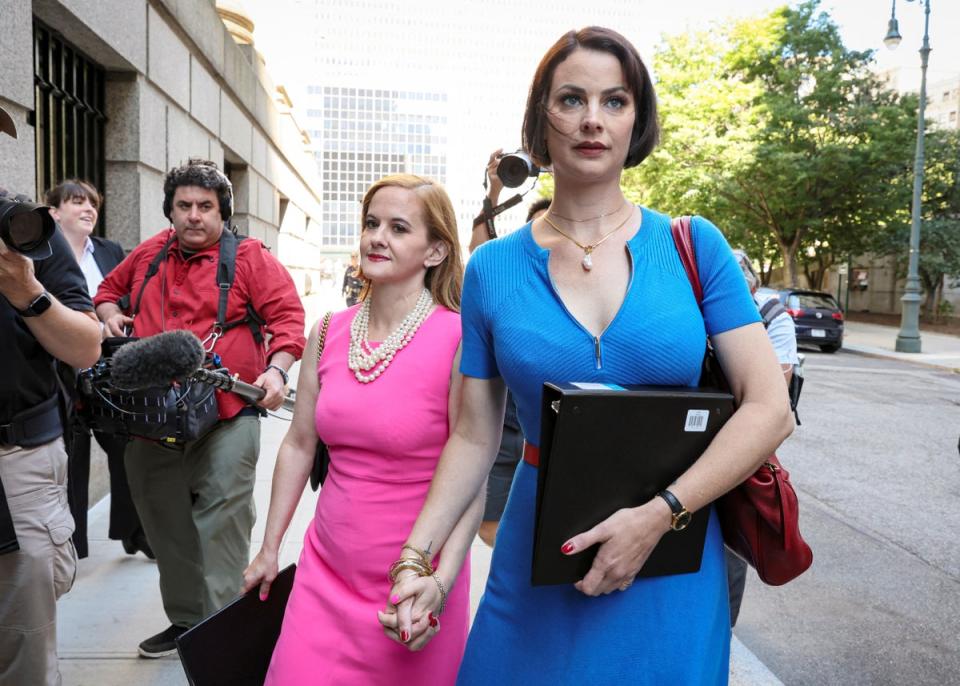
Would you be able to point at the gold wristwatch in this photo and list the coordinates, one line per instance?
(681, 516)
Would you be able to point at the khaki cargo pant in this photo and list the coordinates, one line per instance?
(33, 578)
(195, 502)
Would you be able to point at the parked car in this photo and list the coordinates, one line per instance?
(817, 317)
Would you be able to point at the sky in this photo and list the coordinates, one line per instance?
(491, 48)
(863, 24)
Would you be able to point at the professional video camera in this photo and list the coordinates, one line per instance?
(515, 168)
(26, 226)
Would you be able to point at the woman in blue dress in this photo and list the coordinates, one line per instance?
(594, 292)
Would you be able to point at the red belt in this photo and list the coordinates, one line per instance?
(531, 454)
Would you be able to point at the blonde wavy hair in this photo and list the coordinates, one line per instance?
(445, 280)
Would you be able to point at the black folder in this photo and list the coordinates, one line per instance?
(604, 447)
(233, 646)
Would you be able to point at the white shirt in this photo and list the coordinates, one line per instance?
(91, 272)
(782, 334)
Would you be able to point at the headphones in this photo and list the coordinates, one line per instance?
(224, 197)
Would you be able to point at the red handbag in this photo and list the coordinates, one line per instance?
(760, 518)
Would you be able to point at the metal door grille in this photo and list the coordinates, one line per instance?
(69, 118)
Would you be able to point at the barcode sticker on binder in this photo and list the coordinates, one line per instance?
(697, 420)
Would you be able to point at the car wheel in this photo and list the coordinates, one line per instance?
(830, 347)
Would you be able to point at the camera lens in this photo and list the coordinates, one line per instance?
(515, 168)
(26, 230)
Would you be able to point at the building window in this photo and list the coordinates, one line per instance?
(68, 112)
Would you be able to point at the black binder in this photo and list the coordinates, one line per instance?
(604, 447)
(233, 646)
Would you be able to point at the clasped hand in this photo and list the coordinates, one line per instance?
(410, 617)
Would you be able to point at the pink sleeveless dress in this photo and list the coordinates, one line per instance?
(384, 438)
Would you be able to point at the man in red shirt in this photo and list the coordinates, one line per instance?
(196, 498)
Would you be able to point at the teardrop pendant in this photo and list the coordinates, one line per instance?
(587, 262)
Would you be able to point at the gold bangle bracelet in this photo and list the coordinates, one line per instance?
(422, 554)
(413, 565)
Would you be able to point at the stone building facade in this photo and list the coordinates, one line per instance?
(176, 83)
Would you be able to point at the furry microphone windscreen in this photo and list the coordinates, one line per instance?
(156, 361)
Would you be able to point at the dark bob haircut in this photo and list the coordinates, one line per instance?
(203, 174)
(70, 189)
(646, 130)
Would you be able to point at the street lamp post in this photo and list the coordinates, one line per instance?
(908, 339)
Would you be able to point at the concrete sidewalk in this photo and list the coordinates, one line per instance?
(875, 340)
(115, 602)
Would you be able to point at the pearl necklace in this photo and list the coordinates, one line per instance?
(366, 363)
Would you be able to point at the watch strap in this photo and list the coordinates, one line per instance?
(672, 501)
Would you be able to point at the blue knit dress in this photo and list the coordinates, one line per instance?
(663, 630)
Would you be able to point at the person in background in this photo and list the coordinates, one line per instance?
(783, 336)
(511, 440)
(75, 206)
(352, 281)
(384, 419)
(595, 291)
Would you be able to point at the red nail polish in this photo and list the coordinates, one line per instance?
(430, 617)
(404, 636)
(434, 622)
(567, 548)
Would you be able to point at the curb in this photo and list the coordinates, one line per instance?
(881, 354)
(746, 669)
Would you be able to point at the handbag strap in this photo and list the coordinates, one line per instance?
(683, 239)
(322, 335)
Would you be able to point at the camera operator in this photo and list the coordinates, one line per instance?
(511, 441)
(195, 498)
(45, 314)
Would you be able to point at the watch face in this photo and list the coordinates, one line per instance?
(41, 304)
(681, 520)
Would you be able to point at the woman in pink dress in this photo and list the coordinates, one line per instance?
(390, 393)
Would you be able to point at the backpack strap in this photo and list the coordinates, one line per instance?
(226, 272)
(152, 270)
(770, 310)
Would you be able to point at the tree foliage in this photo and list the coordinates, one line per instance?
(940, 220)
(783, 137)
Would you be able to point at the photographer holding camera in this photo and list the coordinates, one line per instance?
(511, 440)
(45, 315)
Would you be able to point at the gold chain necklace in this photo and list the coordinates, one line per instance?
(587, 262)
(588, 219)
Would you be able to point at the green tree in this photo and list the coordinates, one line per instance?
(940, 221)
(782, 136)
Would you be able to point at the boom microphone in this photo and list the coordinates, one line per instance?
(156, 361)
